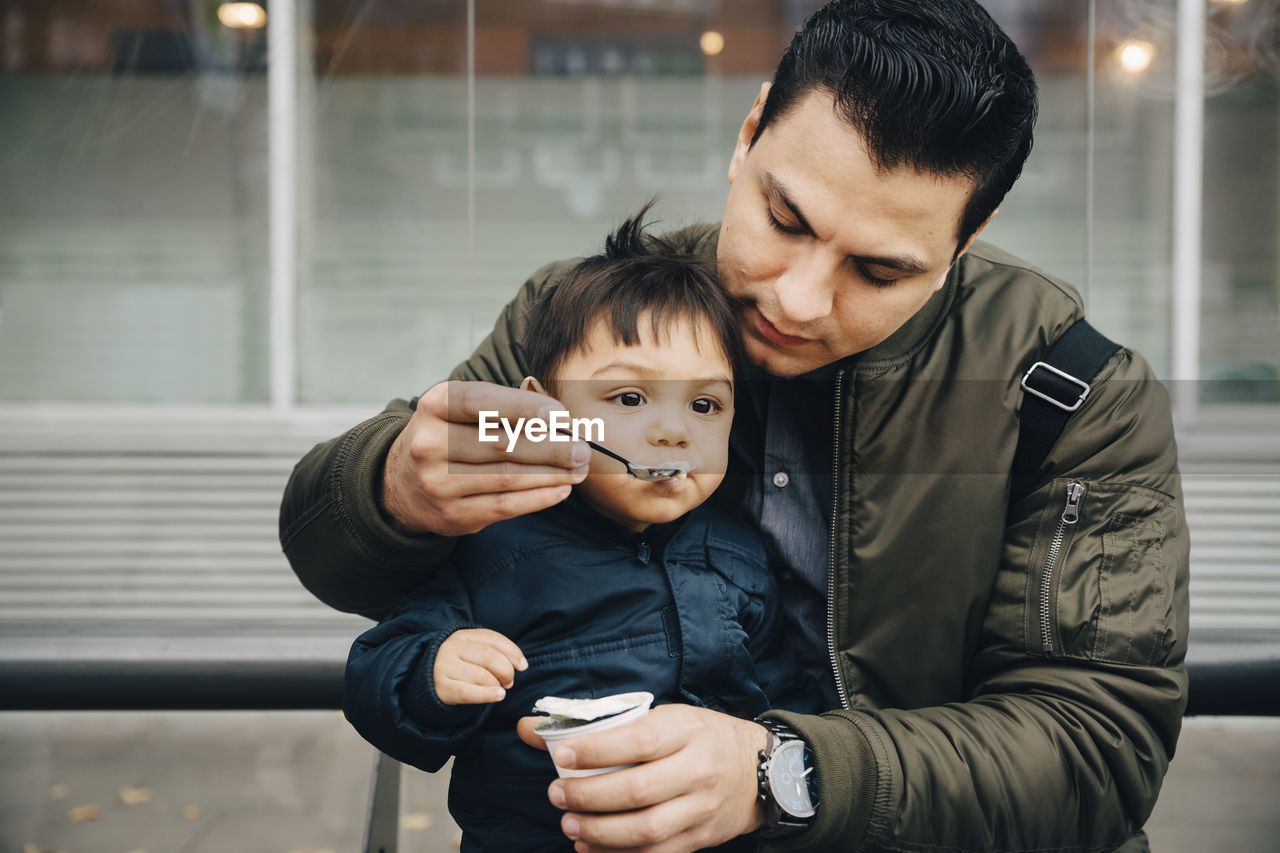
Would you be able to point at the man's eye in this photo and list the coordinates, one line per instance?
(628, 398)
(875, 280)
(777, 225)
(705, 406)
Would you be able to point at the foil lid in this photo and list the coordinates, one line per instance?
(587, 710)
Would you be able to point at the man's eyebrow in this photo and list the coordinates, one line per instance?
(905, 264)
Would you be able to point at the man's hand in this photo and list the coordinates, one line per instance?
(696, 785)
(475, 666)
(440, 478)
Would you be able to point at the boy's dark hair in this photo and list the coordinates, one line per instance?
(636, 273)
(936, 86)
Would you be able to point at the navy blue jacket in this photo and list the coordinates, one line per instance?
(686, 610)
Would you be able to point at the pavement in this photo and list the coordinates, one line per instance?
(298, 782)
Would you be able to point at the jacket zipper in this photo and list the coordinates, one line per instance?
(1057, 548)
(831, 574)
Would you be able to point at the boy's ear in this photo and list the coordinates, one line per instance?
(531, 384)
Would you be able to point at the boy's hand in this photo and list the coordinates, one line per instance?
(474, 666)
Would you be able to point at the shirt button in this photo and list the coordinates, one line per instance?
(781, 479)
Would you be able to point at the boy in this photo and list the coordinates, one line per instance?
(628, 585)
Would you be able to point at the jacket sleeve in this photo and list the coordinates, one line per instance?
(389, 694)
(336, 537)
(1078, 685)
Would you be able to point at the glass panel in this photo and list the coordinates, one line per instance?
(133, 168)
(1042, 219)
(1132, 274)
(582, 111)
(1240, 334)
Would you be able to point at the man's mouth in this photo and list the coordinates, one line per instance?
(771, 332)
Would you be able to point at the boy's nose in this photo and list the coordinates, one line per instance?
(669, 430)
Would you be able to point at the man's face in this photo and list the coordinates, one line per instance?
(664, 400)
(826, 255)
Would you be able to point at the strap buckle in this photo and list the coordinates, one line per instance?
(1050, 385)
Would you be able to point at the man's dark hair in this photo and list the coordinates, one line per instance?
(934, 85)
(636, 273)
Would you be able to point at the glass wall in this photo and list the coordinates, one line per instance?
(446, 149)
(133, 255)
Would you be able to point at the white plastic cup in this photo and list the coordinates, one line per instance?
(555, 734)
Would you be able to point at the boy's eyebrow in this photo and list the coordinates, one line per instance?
(646, 372)
(905, 264)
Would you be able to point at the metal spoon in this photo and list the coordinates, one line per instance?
(676, 470)
(672, 470)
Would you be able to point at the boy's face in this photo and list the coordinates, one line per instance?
(663, 400)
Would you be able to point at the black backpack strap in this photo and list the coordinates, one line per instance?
(1053, 389)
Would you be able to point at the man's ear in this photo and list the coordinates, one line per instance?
(531, 384)
(748, 131)
(974, 235)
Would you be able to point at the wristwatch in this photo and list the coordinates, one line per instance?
(788, 784)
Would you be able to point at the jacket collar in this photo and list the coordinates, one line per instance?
(591, 524)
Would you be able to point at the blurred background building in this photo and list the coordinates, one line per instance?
(230, 230)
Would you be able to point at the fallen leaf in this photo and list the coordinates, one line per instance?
(416, 820)
(457, 841)
(135, 796)
(191, 812)
(59, 792)
(80, 814)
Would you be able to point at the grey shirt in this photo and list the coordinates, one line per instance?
(783, 437)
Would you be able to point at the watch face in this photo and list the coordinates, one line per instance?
(790, 775)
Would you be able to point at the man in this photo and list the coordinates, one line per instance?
(1005, 672)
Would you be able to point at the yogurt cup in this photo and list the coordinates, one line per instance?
(569, 724)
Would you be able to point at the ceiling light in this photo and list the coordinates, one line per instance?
(242, 16)
(1136, 56)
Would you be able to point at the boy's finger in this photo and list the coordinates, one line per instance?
(471, 673)
(489, 658)
(454, 692)
(504, 645)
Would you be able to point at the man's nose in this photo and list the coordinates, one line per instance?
(806, 289)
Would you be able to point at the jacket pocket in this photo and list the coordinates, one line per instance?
(1098, 585)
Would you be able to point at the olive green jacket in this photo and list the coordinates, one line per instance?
(1010, 681)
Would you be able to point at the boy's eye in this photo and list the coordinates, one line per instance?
(705, 406)
(628, 398)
